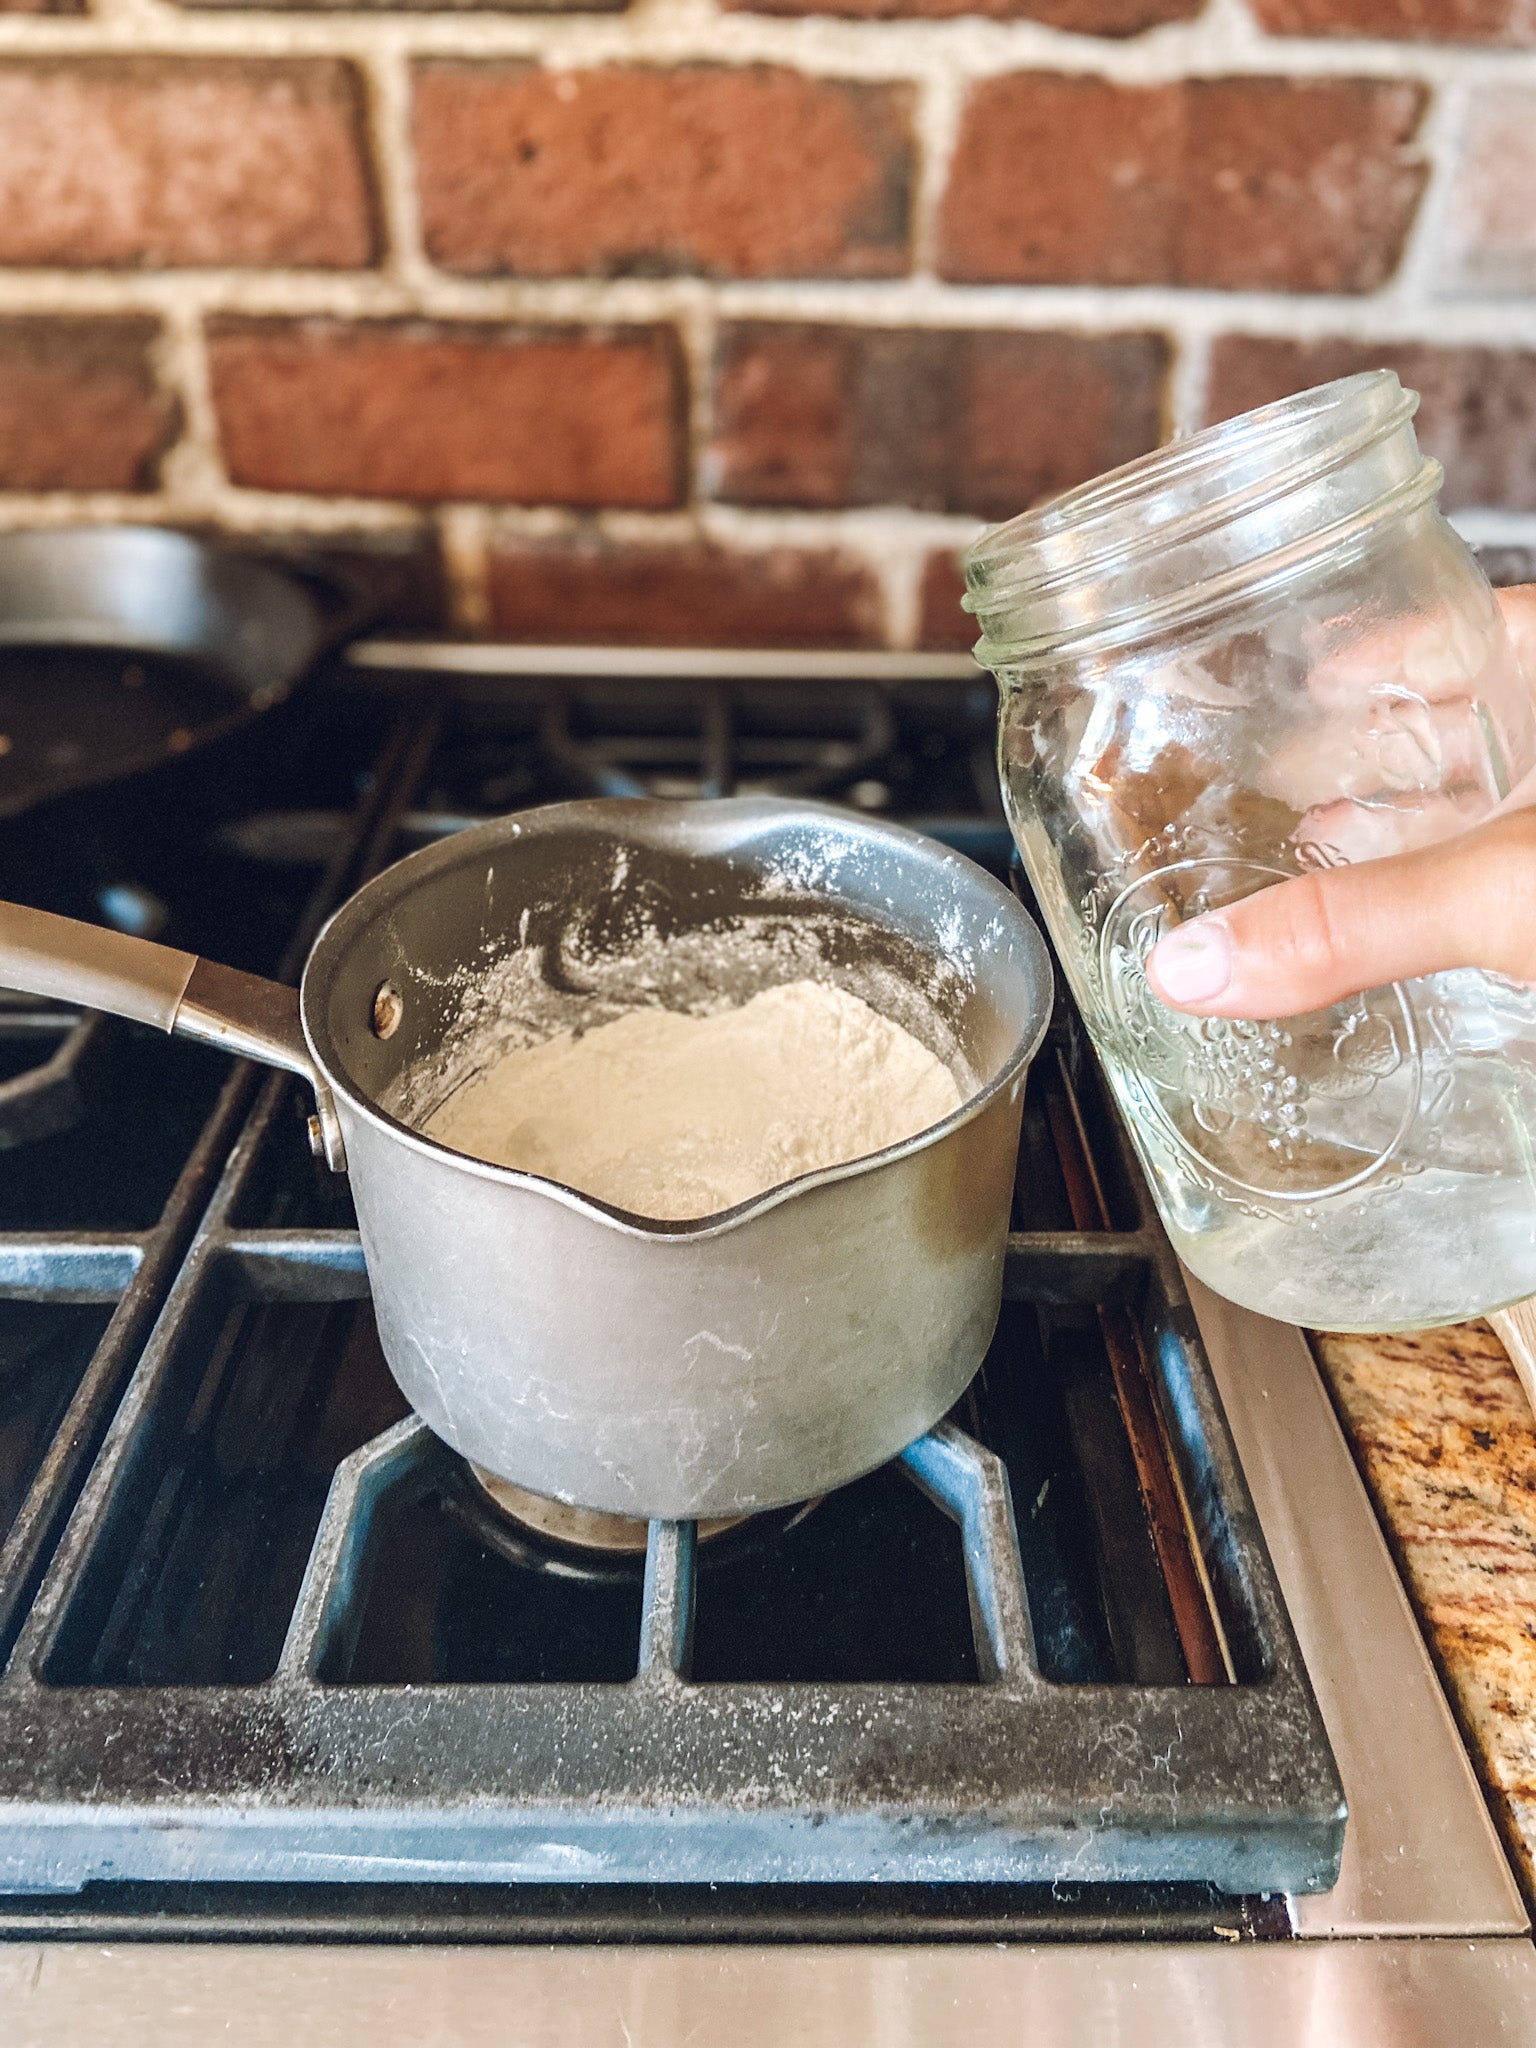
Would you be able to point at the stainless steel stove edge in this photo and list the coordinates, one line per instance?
(1421, 1856)
(1358, 1994)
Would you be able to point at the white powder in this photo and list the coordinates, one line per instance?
(675, 1116)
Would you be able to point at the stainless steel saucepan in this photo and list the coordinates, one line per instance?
(676, 1370)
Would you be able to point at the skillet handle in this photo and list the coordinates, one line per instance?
(61, 957)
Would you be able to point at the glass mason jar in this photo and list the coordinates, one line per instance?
(1254, 651)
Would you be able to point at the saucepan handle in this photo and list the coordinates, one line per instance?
(61, 957)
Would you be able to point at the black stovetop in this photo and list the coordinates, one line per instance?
(187, 1358)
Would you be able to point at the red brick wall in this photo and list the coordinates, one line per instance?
(729, 320)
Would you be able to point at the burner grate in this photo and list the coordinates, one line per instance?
(118, 1137)
(235, 1673)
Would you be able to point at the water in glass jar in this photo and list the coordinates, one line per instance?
(1403, 1251)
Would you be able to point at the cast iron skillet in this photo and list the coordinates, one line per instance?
(123, 646)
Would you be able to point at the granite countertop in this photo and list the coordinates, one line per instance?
(1446, 1440)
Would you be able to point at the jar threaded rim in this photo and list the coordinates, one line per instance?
(1178, 531)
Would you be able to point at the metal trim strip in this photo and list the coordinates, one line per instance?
(1412, 1994)
(674, 664)
(1420, 1851)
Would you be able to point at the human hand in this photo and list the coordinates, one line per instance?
(1467, 900)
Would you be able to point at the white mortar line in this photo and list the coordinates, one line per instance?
(884, 527)
(249, 512)
(192, 472)
(890, 527)
(616, 527)
(558, 523)
(127, 18)
(1187, 383)
(463, 533)
(1221, 40)
(698, 326)
(899, 574)
(389, 113)
(877, 529)
(1388, 315)
(940, 105)
(1439, 144)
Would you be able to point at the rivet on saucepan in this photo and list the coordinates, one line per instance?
(387, 1010)
(316, 1137)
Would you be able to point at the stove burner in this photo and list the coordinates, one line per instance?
(573, 1528)
(547, 1536)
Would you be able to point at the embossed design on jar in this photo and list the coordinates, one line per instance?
(1287, 1110)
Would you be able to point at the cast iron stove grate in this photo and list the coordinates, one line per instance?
(1035, 1676)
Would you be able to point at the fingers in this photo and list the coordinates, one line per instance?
(1418, 724)
(1395, 749)
(1427, 895)
(1346, 832)
(1434, 655)
(1469, 902)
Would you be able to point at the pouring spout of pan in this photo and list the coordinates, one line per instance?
(70, 961)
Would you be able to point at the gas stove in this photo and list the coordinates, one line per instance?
(1087, 1676)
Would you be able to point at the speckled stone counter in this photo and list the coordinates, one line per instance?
(1447, 1443)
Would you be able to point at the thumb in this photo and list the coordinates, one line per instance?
(1303, 944)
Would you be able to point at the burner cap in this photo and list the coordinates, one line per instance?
(579, 1528)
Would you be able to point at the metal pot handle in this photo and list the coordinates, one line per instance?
(61, 957)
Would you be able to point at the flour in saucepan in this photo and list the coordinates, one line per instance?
(672, 1115)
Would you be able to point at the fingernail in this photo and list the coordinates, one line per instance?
(1193, 963)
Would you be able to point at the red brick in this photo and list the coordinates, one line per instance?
(950, 421)
(163, 161)
(1238, 183)
(1077, 17)
(549, 415)
(1433, 21)
(1478, 416)
(398, 577)
(690, 594)
(941, 622)
(80, 406)
(758, 172)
